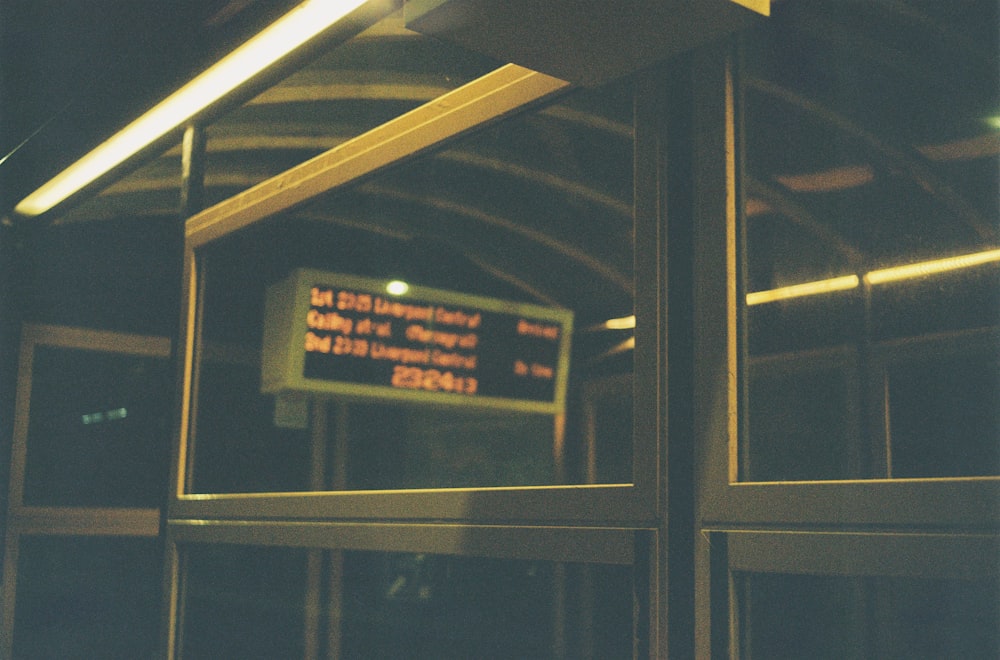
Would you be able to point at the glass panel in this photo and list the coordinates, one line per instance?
(431, 606)
(940, 408)
(368, 80)
(436, 451)
(871, 237)
(607, 429)
(807, 410)
(276, 603)
(243, 602)
(812, 616)
(87, 598)
(104, 275)
(534, 212)
(98, 429)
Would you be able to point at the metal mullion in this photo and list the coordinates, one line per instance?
(605, 504)
(559, 544)
(22, 409)
(104, 341)
(8, 588)
(957, 503)
(85, 521)
(190, 351)
(956, 556)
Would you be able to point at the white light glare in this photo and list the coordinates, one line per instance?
(279, 39)
(397, 288)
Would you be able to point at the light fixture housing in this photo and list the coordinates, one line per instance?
(274, 44)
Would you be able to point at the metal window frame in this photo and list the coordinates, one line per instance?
(604, 523)
(62, 520)
(490, 98)
(965, 502)
(931, 527)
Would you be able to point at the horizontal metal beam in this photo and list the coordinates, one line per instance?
(570, 544)
(80, 521)
(481, 101)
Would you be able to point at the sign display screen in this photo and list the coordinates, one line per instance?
(348, 336)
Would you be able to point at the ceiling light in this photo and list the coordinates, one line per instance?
(896, 273)
(624, 323)
(806, 289)
(278, 40)
(924, 268)
(397, 288)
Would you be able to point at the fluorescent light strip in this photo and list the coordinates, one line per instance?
(925, 268)
(896, 273)
(622, 347)
(623, 323)
(278, 40)
(844, 283)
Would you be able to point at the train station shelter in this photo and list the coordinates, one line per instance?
(469, 329)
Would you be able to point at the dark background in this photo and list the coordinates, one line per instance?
(72, 72)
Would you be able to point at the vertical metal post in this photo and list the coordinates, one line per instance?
(192, 199)
(192, 171)
(337, 481)
(314, 558)
(9, 590)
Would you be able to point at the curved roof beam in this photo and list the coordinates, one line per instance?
(232, 178)
(394, 230)
(473, 256)
(590, 120)
(567, 250)
(496, 165)
(403, 89)
(780, 203)
(925, 21)
(413, 88)
(490, 268)
(109, 205)
(524, 173)
(833, 179)
(897, 157)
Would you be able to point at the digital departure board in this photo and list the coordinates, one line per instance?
(348, 336)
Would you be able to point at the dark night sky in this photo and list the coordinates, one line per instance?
(74, 71)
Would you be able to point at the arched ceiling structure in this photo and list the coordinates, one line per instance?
(543, 202)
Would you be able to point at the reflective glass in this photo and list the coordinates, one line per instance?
(871, 238)
(243, 602)
(816, 616)
(87, 597)
(281, 603)
(378, 75)
(432, 606)
(503, 236)
(98, 429)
